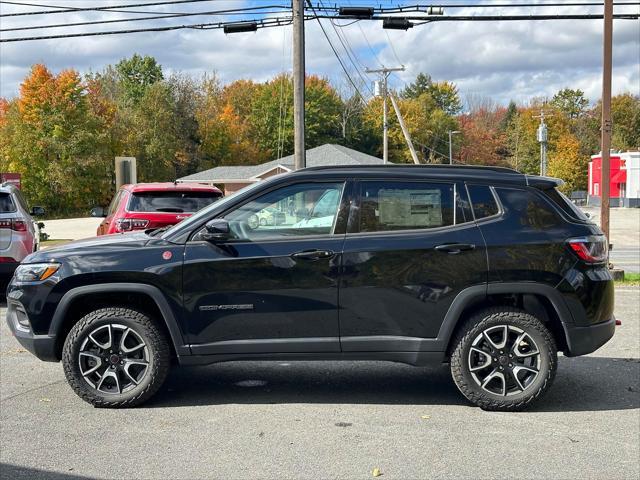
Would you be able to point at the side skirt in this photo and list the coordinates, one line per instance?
(418, 359)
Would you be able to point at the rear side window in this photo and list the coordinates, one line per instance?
(529, 209)
(171, 202)
(389, 206)
(113, 206)
(484, 203)
(6, 203)
(566, 205)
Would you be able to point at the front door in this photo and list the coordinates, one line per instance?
(411, 247)
(272, 288)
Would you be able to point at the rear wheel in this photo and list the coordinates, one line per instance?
(116, 357)
(503, 359)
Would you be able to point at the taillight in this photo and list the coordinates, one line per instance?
(13, 224)
(591, 249)
(128, 224)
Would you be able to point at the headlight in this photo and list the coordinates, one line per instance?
(35, 272)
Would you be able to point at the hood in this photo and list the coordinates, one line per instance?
(110, 243)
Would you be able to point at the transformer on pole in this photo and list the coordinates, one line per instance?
(542, 136)
(382, 86)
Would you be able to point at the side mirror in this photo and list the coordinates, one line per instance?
(37, 212)
(216, 230)
(98, 212)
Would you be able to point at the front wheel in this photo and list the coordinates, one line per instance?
(115, 357)
(504, 359)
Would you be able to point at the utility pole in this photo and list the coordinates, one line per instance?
(405, 131)
(299, 153)
(451, 133)
(542, 139)
(606, 115)
(384, 73)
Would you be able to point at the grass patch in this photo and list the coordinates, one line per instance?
(54, 243)
(630, 279)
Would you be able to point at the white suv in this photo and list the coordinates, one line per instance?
(19, 233)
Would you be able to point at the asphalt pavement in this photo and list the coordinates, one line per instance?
(326, 420)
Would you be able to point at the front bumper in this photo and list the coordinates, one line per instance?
(584, 340)
(42, 346)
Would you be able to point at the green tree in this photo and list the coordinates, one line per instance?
(572, 103)
(136, 74)
(421, 85)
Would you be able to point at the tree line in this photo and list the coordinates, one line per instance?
(63, 130)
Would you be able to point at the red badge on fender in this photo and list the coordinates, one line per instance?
(167, 255)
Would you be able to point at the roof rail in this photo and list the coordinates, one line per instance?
(422, 166)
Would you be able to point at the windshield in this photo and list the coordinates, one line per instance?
(171, 202)
(205, 212)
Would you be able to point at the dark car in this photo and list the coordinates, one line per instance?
(487, 269)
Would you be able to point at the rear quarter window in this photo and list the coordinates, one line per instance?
(566, 205)
(6, 203)
(528, 208)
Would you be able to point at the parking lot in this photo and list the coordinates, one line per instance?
(326, 420)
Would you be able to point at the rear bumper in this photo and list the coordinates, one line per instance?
(42, 346)
(584, 340)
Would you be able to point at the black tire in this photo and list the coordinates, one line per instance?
(155, 351)
(471, 383)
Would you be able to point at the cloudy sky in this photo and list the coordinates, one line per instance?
(501, 60)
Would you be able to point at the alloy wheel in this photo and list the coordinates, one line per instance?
(113, 359)
(504, 360)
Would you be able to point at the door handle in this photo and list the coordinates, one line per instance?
(455, 248)
(313, 254)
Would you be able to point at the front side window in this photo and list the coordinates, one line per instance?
(295, 210)
(389, 206)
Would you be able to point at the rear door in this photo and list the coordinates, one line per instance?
(411, 247)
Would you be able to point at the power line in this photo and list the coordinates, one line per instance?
(335, 52)
(398, 9)
(392, 48)
(65, 9)
(236, 11)
(264, 23)
(276, 21)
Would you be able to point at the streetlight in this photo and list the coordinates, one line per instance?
(451, 132)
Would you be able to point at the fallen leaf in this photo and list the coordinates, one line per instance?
(376, 472)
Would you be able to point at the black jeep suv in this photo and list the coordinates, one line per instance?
(486, 269)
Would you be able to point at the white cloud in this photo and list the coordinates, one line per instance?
(508, 60)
